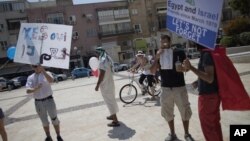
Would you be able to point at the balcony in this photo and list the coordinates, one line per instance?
(115, 33)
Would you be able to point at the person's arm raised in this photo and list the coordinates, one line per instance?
(49, 78)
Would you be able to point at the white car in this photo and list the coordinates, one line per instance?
(120, 67)
(6, 84)
(59, 77)
(193, 53)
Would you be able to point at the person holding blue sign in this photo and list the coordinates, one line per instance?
(169, 60)
(209, 99)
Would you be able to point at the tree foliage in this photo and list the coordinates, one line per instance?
(237, 26)
(242, 5)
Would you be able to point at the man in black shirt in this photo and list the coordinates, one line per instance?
(209, 100)
(169, 60)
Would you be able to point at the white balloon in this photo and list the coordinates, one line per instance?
(93, 63)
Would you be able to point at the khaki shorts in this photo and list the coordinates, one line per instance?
(45, 108)
(178, 96)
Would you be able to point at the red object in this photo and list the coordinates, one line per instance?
(95, 73)
(231, 90)
(209, 114)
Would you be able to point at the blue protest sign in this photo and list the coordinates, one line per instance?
(196, 20)
(11, 52)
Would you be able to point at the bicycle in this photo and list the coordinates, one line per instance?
(128, 93)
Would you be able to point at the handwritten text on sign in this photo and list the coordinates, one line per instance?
(47, 44)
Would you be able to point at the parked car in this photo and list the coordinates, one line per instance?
(120, 67)
(80, 72)
(6, 84)
(20, 81)
(59, 77)
(193, 53)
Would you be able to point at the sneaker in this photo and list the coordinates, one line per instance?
(188, 137)
(171, 137)
(59, 138)
(48, 138)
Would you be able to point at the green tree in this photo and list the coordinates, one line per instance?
(242, 5)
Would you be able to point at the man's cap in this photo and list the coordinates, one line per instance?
(100, 49)
(140, 53)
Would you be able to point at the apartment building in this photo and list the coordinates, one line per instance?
(12, 14)
(122, 27)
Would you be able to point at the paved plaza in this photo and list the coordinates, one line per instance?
(82, 113)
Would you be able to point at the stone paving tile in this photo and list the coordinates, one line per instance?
(82, 116)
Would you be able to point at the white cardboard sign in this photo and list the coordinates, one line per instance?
(45, 44)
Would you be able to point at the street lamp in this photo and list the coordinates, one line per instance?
(75, 50)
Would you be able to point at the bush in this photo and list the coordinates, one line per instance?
(237, 26)
(228, 41)
(245, 38)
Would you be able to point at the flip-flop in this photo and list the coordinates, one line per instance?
(114, 124)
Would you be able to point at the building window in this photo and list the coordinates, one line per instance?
(1, 28)
(4, 7)
(18, 6)
(91, 32)
(112, 15)
(134, 11)
(123, 27)
(38, 21)
(56, 18)
(14, 24)
(3, 45)
(106, 15)
(162, 21)
(161, 10)
(137, 28)
(108, 29)
(121, 13)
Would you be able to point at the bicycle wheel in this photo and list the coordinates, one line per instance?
(128, 93)
(157, 88)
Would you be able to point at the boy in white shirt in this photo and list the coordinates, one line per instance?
(38, 85)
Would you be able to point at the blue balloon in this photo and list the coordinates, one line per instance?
(11, 52)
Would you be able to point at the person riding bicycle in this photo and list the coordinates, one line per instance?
(144, 64)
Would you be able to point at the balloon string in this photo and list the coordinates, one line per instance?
(4, 64)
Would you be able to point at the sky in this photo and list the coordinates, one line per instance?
(75, 2)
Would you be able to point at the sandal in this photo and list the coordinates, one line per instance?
(114, 124)
(109, 118)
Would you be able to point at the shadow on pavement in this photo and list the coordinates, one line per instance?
(122, 132)
(147, 102)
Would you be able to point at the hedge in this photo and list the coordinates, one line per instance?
(244, 38)
(228, 41)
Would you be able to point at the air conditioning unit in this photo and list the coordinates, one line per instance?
(72, 19)
(89, 17)
(75, 35)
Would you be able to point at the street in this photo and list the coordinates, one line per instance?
(82, 113)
